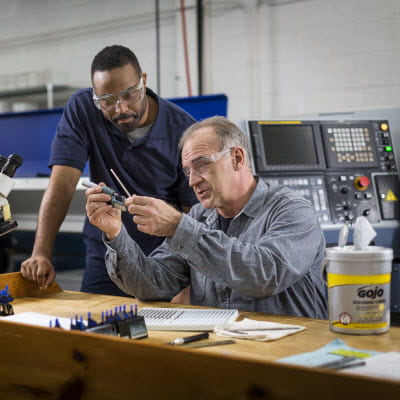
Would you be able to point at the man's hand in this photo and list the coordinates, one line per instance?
(39, 269)
(101, 214)
(153, 216)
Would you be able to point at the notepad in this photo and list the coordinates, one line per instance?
(184, 319)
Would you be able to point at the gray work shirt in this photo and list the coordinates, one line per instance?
(269, 260)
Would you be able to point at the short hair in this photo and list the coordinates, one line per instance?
(227, 134)
(112, 57)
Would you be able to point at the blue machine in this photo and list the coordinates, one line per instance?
(30, 133)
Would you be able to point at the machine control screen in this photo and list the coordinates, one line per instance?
(345, 169)
(293, 146)
(286, 146)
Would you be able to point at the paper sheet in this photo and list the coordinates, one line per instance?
(386, 365)
(32, 318)
(327, 354)
(257, 330)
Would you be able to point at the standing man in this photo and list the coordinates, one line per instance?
(119, 124)
(246, 245)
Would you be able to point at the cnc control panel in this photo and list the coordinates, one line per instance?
(345, 168)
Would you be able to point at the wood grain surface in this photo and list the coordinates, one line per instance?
(45, 363)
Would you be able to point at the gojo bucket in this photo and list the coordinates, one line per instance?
(359, 289)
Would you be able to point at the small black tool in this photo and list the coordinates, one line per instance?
(212, 343)
(117, 201)
(188, 339)
(345, 362)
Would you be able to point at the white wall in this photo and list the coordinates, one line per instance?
(272, 58)
(64, 35)
(333, 55)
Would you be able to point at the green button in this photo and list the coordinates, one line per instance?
(388, 148)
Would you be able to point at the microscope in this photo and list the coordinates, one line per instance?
(8, 166)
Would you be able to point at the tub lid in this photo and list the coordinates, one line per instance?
(347, 253)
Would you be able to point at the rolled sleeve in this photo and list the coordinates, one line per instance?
(116, 247)
(157, 277)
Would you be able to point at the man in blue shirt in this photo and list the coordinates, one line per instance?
(122, 125)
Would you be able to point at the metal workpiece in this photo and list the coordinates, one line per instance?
(117, 200)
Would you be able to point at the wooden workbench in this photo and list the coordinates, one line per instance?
(45, 363)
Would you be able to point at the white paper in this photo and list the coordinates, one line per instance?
(32, 318)
(257, 330)
(386, 365)
(363, 233)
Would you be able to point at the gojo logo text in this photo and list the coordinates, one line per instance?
(370, 292)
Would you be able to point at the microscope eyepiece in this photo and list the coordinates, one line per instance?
(2, 161)
(11, 164)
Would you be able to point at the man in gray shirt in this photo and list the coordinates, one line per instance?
(246, 245)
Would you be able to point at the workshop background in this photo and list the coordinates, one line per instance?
(272, 59)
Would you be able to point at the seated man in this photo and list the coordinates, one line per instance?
(246, 245)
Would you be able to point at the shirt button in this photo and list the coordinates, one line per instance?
(180, 246)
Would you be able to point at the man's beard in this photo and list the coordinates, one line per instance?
(129, 126)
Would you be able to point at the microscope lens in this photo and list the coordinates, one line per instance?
(11, 165)
(2, 161)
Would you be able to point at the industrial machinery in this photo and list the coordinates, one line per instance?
(8, 166)
(345, 169)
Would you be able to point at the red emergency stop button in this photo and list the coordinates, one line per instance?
(361, 182)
